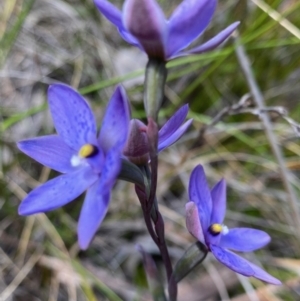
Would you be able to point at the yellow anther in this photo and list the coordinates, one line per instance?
(87, 150)
(215, 229)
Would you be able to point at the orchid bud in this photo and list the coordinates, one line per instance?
(137, 147)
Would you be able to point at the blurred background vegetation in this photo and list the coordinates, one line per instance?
(45, 41)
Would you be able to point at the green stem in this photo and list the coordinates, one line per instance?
(155, 78)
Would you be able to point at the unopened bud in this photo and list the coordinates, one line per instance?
(137, 146)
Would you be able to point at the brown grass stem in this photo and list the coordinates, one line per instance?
(268, 128)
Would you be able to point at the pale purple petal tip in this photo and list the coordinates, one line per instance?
(114, 15)
(199, 193)
(232, 261)
(115, 124)
(193, 222)
(72, 116)
(145, 20)
(218, 195)
(212, 43)
(162, 144)
(173, 123)
(92, 214)
(263, 275)
(50, 151)
(57, 192)
(187, 22)
(111, 12)
(244, 239)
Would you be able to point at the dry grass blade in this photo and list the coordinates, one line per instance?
(63, 273)
(8, 291)
(289, 264)
(259, 100)
(279, 18)
(5, 15)
(219, 282)
(250, 291)
(42, 218)
(24, 240)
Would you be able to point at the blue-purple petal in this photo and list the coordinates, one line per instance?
(96, 161)
(162, 144)
(92, 214)
(244, 239)
(145, 20)
(187, 22)
(58, 191)
(232, 261)
(212, 43)
(173, 123)
(199, 193)
(97, 199)
(111, 168)
(110, 12)
(129, 38)
(263, 275)
(114, 15)
(193, 222)
(50, 151)
(218, 195)
(115, 124)
(73, 118)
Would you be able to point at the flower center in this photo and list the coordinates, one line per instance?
(88, 154)
(216, 229)
(88, 150)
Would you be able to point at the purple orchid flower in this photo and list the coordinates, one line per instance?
(143, 24)
(87, 162)
(137, 148)
(204, 218)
